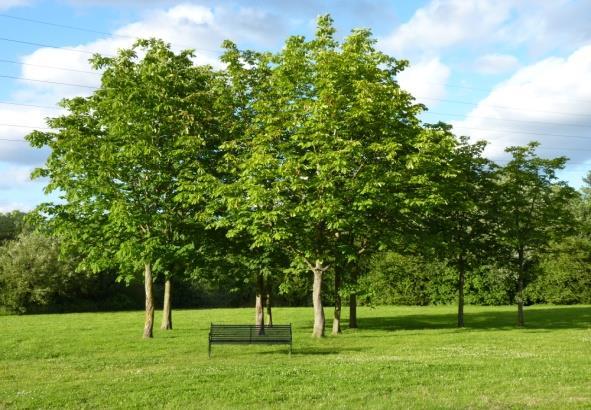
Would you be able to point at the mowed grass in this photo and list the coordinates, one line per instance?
(400, 357)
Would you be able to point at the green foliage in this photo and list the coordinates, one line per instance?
(565, 275)
(120, 158)
(395, 279)
(533, 209)
(490, 285)
(565, 268)
(11, 225)
(332, 158)
(309, 158)
(31, 274)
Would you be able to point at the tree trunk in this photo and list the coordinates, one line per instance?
(149, 319)
(520, 314)
(336, 322)
(317, 300)
(260, 312)
(461, 282)
(269, 304)
(353, 300)
(167, 307)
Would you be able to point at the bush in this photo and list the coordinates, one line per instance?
(395, 279)
(30, 272)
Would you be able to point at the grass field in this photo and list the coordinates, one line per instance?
(401, 357)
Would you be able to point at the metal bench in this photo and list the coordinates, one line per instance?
(249, 334)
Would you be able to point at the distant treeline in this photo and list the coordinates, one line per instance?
(33, 279)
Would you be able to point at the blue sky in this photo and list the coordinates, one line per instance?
(508, 71)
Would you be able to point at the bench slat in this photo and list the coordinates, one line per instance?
(249, 334)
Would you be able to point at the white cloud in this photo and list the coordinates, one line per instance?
(7, 4)
(14, 206)
(549, 101)
(15, 176)
(425, 80)
(539, 25)
(184, 26)
(13, 147)
(444, 23)
(548, 25)
(496, 63)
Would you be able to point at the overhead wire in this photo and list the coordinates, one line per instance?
(439, 99)
(47, 107)
(50, 67)
(105, 33)
(47, 81)
(16, 41)
(561, 124)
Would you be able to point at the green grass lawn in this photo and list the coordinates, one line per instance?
(400, 357)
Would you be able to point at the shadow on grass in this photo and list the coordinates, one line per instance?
(549, 318)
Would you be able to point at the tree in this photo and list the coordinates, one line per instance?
(331, 145)
(463, 226)
(11, 225)
(118, 156)
(533, 209)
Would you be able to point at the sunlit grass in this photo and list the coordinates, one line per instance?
(401, 357)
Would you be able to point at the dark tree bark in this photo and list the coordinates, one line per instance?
(269, 303)
(353, 300)
(149, 318)
(336, 322)
(319, 321)
(461, 282)
(520, 273)
(167, 307)
(260, 312)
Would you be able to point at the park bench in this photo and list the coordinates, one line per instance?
(249, 334)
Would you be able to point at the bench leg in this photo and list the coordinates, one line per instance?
(289, 352)
(209, 351)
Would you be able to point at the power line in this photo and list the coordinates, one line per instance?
(525, 132)
(31, 43)
(218, 51)
(49, 107)
(491, 130)
(12, 140)
(25, 126)
(510, 120)
(579, 100)
(47, 23)
(47, 82)
(50, 66)
(500, 106)
(439, 99)
(105, 33)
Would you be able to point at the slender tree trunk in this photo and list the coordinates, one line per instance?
(336, 322)
(269, 303)
(167, 307)
(461, 282)
(260, 312)
(520, 314)
(149, 319)
(317, 301)
(353, 301)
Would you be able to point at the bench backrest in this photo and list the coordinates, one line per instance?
(249, 334)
